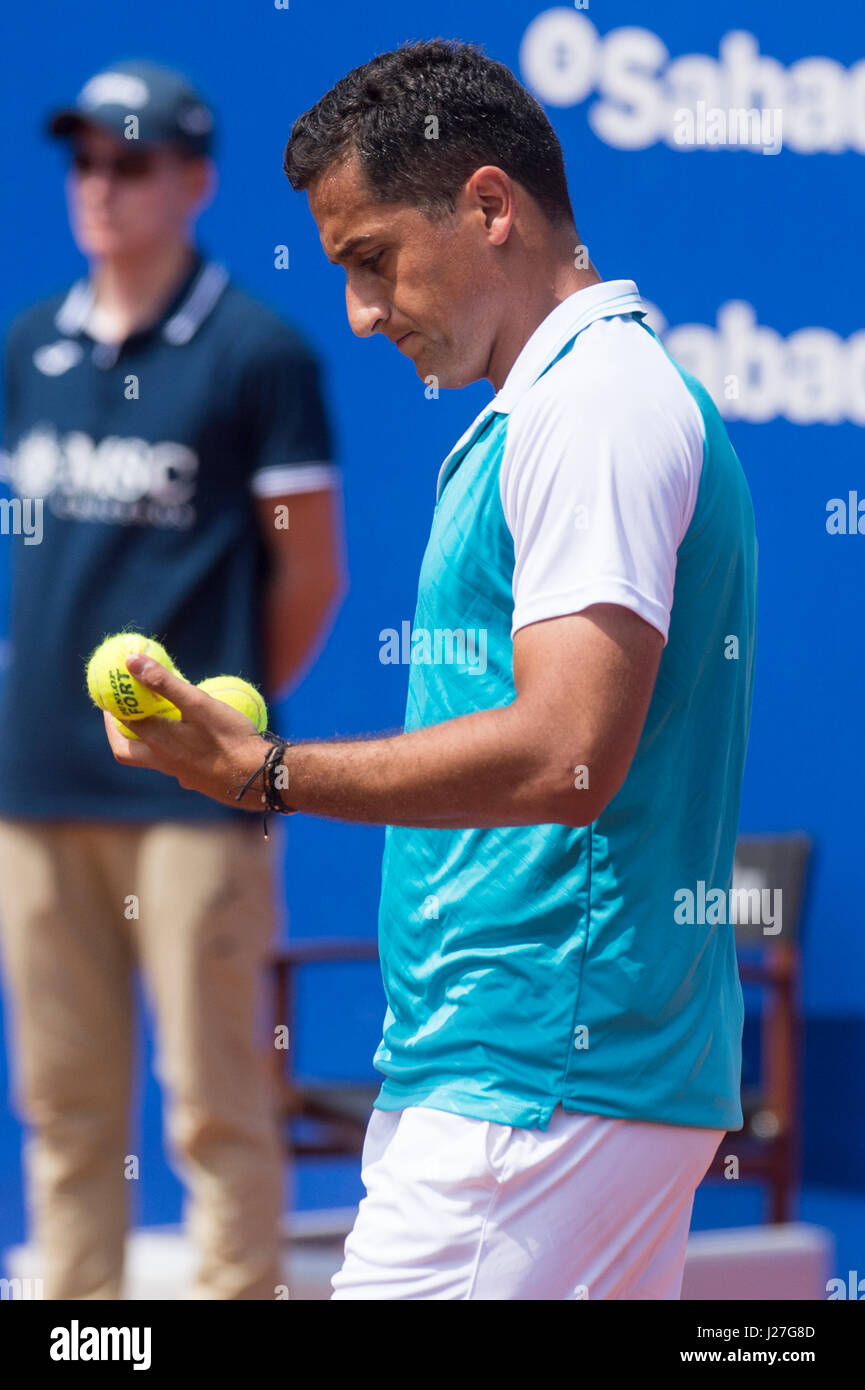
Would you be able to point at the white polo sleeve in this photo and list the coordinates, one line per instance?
(598, 491)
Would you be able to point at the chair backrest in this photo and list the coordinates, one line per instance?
(768, 891)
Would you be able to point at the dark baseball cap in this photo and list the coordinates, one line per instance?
(167, 108)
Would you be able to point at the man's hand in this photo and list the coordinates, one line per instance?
(213, 749)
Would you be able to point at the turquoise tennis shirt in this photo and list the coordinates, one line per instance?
(535, 966)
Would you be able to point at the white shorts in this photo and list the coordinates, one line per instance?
(457, 1208)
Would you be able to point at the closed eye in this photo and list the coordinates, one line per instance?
(372, 260)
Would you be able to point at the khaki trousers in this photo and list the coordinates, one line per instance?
(82, 905)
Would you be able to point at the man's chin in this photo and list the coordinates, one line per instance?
(449, 378)
(101, 242)
(445, 376)
(107, 242)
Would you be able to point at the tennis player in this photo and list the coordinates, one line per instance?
(561, 1056)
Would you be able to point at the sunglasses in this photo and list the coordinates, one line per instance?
(132, 164)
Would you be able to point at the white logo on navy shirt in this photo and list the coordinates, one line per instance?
(57, 358)
(123, 481)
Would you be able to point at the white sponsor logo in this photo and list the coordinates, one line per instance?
(642, 89)
(57, 358)
(753, 373)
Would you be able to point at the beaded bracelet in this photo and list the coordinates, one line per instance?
(271, 795)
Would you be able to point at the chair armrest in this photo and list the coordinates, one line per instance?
(302, 952)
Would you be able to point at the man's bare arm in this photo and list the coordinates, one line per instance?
(306, 583)
(583, 686)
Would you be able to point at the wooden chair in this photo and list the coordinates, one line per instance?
(323, 1119)
(769, 1145)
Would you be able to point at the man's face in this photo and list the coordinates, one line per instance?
(428, 286)
(127, 199)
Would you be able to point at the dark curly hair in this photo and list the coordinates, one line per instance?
(381, 113)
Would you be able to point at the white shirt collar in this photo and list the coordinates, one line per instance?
(207, 285)
(75, 309)
(603, 301)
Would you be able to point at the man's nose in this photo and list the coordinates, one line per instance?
(99, 183)
(366, 311)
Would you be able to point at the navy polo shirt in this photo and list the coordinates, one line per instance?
(148, 458)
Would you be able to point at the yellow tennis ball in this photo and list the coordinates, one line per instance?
(172, 713)
(113, 688)
(242, 696)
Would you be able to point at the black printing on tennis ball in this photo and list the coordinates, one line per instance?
(124, 693)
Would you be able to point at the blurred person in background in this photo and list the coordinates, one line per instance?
(175, 430)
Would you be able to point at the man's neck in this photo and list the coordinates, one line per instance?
(131, 292)
(545, 294)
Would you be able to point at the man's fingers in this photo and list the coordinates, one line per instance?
(158, 678)
(124, 749)
(197, 708)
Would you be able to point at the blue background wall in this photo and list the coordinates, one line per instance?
(696, 229)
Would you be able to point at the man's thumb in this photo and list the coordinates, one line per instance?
(158, 678)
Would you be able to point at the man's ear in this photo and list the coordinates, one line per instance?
(203, 183)
(492, 190)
